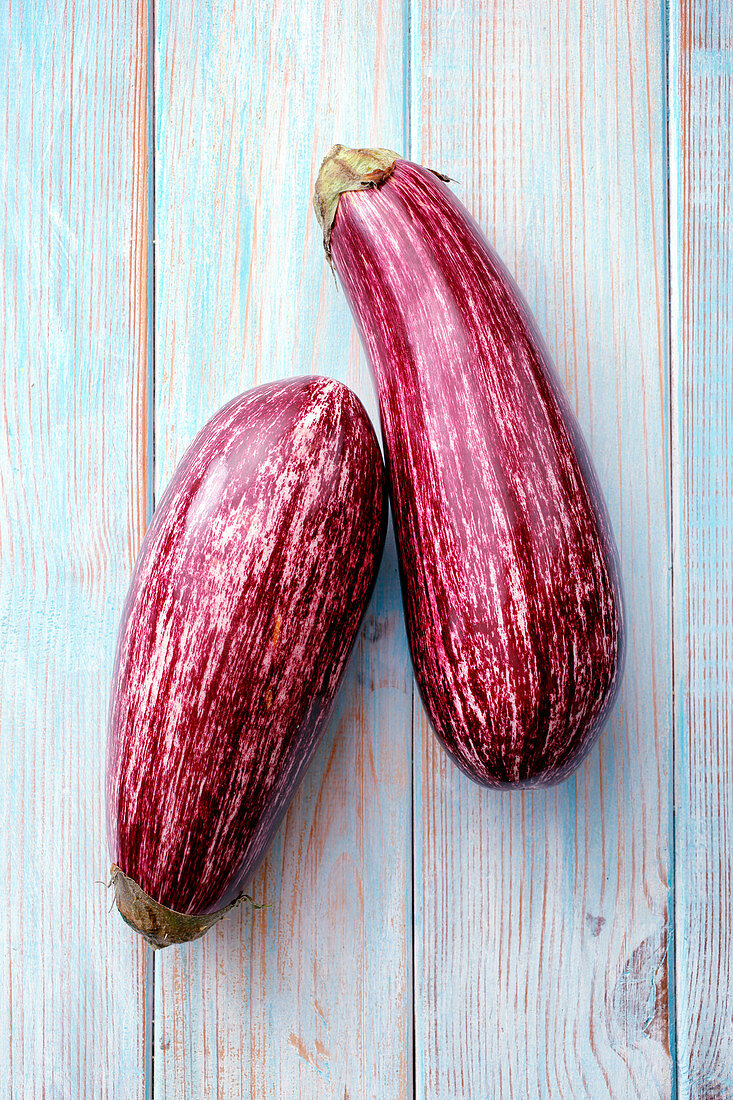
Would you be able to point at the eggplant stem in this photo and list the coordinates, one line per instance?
(156, 923)
(345, 169)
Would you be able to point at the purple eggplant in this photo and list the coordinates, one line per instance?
(510, 575)
(244, 605)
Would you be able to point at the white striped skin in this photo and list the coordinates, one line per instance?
(244, 605)
(510, 576)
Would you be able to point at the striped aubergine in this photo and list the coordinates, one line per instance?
(510, 575)
(245, 601)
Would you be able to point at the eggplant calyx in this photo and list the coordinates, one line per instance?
(157, 924)
(346, 169)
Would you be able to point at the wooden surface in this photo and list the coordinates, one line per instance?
(424, 937)
(701, 97)
(73, 471)
(282, 1003)
(549, 910)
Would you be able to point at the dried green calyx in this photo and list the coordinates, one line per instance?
(157, 924)
(351, 170)
(347, 170)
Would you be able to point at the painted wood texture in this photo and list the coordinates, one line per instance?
(701, 175)
(311, 996)
(72, 510)
(541, 919)
(538, 941)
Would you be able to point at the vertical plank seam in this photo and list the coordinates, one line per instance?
(150, 961)
(407, 143)
(413, 968)
(671, 155)
(407, 77)
(151, 302)
(149, 1017)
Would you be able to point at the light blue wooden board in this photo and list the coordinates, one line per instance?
(311, 997)
(541, 920)
(701, 193)
(72, 509)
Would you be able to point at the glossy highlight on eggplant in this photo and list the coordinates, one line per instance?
(244, 605)
(510, 574)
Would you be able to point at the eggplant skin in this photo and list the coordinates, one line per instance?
(510, 575)
(244, 605)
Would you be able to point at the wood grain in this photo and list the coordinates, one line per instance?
(311, 997)
(72, 510)
(541, 919)
(701, 193)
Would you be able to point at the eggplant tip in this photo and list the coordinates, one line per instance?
(158, 925)
(343, 169)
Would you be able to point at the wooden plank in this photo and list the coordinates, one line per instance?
(541, 919)
(701, 192)
(309, 998)
(72, 512)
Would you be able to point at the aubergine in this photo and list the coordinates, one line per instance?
(510, 574)
(245, 601)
